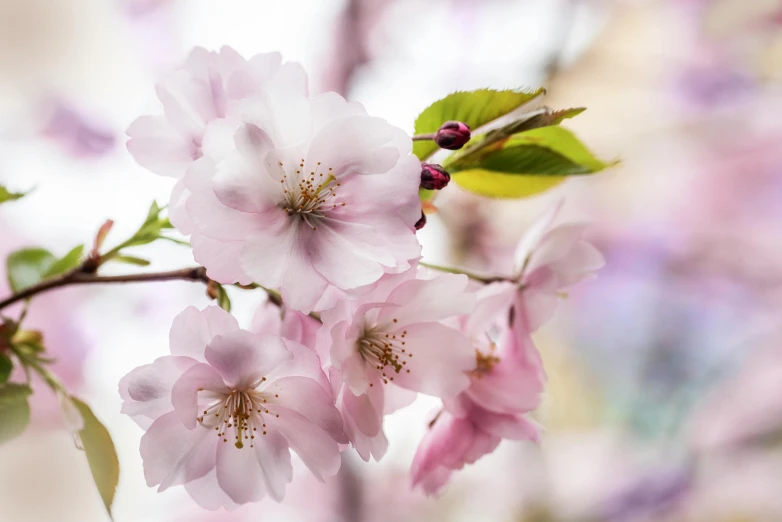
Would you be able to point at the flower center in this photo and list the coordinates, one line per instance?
(309, 197)
(484, 362)
(385, 350)
(244, 413)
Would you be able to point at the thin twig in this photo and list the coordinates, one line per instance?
(423, 137)
(79, 277)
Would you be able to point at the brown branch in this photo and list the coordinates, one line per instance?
(80, 277)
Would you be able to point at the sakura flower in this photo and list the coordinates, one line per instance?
(315, 198)
(225, 409)
(505, 385)
(392, 339)
(548, 260)
(193, 97)
(197, 94)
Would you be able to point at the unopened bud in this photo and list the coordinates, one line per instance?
(421, 222)
(452, 135)
(434, 177)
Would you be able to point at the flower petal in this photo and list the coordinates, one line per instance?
(174, 455)
(427, 300)
(146, 390)
(184, 394)
(440, 358)
(192, 330)
(239, 473)
(315, 447)
(308, 398)
(242, 358)
(274, 458)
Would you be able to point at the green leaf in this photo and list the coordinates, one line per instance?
(14, 410)
(6, 367)
(28, 266)
(66, 263)
(523, 164)
(6, 195)
(132, 260)
(101, 455)
(222, 298)
(475, 108)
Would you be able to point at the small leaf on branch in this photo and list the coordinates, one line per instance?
(68, 262)
(475, 108)
(28, 266)
(222, 298)
(6, 367)
(14, 410)
(132, 260)
(6, 195)
(101, 454)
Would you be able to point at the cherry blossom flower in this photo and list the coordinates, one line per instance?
(226, 407)
(547, 261)
(313, 197)
(197, 94)
(391, 340)
(505, 385)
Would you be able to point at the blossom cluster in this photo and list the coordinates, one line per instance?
(312, 197)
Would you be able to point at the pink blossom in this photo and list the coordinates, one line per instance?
(548, 260)
(226, 407)
(505, 385)
(391, 340)
(309, 196)
(195, 96)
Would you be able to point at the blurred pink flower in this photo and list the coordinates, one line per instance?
(548, 260)
(76, 133)
(264, 393)
(314, 197)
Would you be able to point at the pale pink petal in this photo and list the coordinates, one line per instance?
(304, 363)
(355, 145)
(534, 235)
(209, 216)
(146, 390)
(221, 258)
(173, 454)
(424, 300)
(157, 147)
(184, 394)
(308, 398)
(242, 358)
(207, 493)
(177, 208)
(239, 472)
(187, 103)
(192, 330)
(274, 457)
(441, 356)
(262, 253)
(315, 447)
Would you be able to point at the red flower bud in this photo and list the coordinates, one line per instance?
(421, 222)
(452, 135)
(433, 177)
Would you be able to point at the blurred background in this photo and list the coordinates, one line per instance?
(665, 373)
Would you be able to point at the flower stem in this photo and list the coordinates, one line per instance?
(423, 137)
(474, 277)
